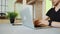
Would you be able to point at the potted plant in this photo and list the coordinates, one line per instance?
(12, 16)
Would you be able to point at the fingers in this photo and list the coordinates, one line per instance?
(39, 23)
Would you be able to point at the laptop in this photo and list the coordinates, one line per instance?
(27, 16)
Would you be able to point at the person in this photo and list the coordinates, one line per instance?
(52, 16)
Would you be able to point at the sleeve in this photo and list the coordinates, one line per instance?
(49, 13)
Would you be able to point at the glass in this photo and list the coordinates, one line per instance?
(0, 8)
(3, 6)
(3, 9)
(0, 2)
(3, 2)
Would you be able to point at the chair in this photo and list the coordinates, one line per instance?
(2, 16)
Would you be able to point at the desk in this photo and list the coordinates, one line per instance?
(8, 21)
(9, 29)
(2, 17)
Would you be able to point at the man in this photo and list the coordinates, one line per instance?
(53, 15)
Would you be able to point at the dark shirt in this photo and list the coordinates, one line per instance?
(54, 16)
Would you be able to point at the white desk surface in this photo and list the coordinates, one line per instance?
(9, 29)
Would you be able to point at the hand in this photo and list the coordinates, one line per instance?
(36, 22)
(39, 23)
(45, 22)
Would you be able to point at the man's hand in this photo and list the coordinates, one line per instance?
(39, 23)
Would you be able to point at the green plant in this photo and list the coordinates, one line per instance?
(12, 14)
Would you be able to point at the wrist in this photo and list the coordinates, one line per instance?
(50, 22)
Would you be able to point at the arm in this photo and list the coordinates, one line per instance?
(56, 24)
(53, 24)
(45, 22)
(46, 18)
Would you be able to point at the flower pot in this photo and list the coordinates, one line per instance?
(12, 20)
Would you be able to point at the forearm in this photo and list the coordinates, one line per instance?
(55, 24)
